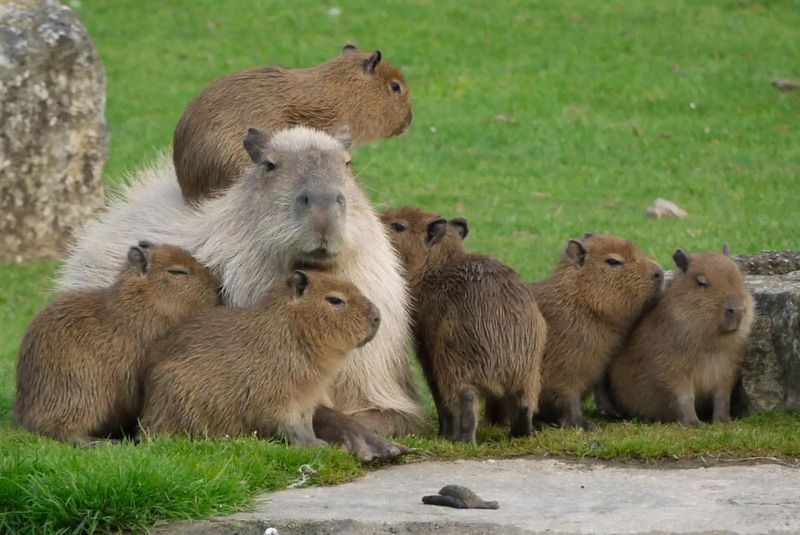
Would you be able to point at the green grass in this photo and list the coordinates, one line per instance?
(607, 105)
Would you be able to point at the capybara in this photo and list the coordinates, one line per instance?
(262, 369)
(601, 286)
(299, 205)
(687, 352)
(355, 89)
(476, 324)
(77, 376)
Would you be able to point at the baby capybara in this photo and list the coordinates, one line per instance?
(260, 370)
(356, 89)
(687, 352)
(476, 324)
(82, 355)
(600, 287)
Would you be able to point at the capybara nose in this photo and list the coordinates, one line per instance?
(731, 319)
(374, 319)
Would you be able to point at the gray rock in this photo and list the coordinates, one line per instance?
(53, 136)
(771, 375)
(769, 262)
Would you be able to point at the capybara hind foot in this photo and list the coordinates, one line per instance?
(301, 433)
(334, 426)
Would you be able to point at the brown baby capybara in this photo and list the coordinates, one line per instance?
(355, 89)
(687, 352)
(476, 324)
(600, 287)
(262, 369)
(81, 357)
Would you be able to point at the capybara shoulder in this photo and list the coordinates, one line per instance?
(356, 89)
(79, 363)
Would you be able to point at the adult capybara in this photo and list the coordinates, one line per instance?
(355, 89)
(476, 324)
(299, 205)
(263, 369)
(600, 287)
(81, 357)
(687, 352)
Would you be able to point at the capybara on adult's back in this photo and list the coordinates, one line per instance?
(77, 376)
(263, 369)
(687, 352)
(477, 328)
(356, 89)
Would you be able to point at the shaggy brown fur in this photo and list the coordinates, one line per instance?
(600, 287)
(81, 357)
(262, 369)
(687, 352)
(476, 324)
(354, 89)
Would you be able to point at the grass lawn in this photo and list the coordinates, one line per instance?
(537, 121)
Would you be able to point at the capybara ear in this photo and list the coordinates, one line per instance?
(726, 249)
(344, 137)
(461, 226)
(576, 252)
(255, 143)
(138, 259)
(298, 282)
(587, 235)
(371, 63)
(436, 231)
(682, 259)
(349, 46)
(145, 244)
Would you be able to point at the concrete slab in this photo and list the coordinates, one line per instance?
(535, 496)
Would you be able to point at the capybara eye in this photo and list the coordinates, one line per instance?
(614, 262)
(701, 281)
(395, 87)
(398, 227)
(335, 301)
(269, 166)
(177, 271)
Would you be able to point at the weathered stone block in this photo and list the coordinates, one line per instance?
(769, 262)
(771, 376)
(53, 136)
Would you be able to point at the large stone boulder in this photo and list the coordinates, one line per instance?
(771, 376)
(53, 136)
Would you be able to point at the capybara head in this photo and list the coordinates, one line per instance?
(612, 276)
(708, 292)
(169, 279)
(423, 239)
(300, 185)
(383, 106)
(330, 312)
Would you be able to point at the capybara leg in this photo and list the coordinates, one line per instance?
(334, 426)
(301, 433)
(447, 422)
(687, 413)
(523, 422)
(468, 416)
(572, 414)
(602, 397)
(496, 411)
(722, 405)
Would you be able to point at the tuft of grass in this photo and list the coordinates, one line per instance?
(535, 120)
